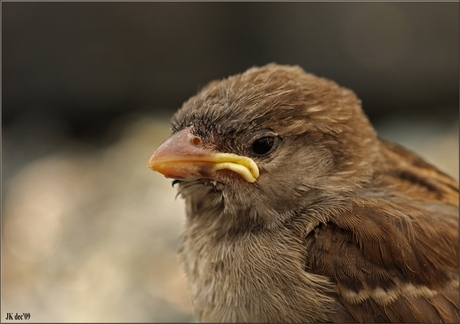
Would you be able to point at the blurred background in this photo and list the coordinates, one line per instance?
(89, 233)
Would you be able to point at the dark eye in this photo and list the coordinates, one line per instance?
(264, 145)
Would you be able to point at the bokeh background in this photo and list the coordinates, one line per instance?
(89, 233)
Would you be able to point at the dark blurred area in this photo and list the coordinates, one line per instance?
(88, 232)
(72, 68)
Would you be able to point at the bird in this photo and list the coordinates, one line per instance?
(297, 211)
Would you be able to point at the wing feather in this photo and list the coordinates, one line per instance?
(393, 254)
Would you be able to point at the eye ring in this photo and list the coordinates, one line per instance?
(264, 144)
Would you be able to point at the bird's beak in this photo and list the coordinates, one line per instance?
(183, 157)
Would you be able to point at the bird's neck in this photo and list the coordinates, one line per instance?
(240, 278)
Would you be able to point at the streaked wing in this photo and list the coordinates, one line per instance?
(394, 255)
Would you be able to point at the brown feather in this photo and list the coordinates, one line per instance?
(340, 225)
(404, 243)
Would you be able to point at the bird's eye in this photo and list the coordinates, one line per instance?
(264, 145)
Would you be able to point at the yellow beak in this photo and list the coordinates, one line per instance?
(182, 156)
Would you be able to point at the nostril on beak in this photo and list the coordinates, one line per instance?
(196, 140)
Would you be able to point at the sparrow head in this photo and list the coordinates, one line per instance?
(268, 142)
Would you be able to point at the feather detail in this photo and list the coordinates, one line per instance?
(396, 254)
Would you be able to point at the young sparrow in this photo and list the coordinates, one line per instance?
(298, 212)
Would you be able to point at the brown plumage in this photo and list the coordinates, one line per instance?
(298, 212)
